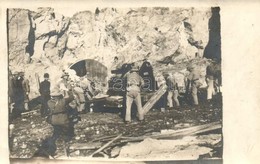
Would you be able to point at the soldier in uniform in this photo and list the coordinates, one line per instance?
(173, 91)
(79, 97)
(26, 90)
(193, 82)
(115, 68)
(59, 116)
(18, 95)
(162, 102)
(146, 72)
(134, 83)
(210, 71)
(45, 94)
(65, 84)
(11, 89)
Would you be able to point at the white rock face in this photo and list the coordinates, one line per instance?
(170, 35)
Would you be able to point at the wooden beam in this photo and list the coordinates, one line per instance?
(106, 145)
(178, 133)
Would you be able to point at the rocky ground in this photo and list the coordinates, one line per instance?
(97, 128)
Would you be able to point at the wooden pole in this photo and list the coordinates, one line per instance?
(106, 145)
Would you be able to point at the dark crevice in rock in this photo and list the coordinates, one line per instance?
(188, 26)
(59, 35)
(213, 48)
(62, 33)
(49, 35)
(31, 37)
(197, 44)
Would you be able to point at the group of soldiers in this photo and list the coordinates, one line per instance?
(135, 84)
(18, 90)
(70, 96)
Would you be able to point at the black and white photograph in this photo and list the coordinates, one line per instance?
(115, 83)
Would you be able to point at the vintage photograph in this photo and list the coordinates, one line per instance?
(140, 83)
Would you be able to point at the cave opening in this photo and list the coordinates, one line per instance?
(92, 68)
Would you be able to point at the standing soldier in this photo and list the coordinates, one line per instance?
(173, 91)
(79, 97)
(26, 90)
(18, 95)
(45, 94)
(59, 116)
(146, 72)
(134, 82)
(193, 81)
(115, 67)
(65, 83)
(11, 79)
(162, 102)
(210, 73)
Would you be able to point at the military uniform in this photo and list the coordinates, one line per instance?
(18, 96)
(59, 117)
(146, 72)
(80, 98)
(173, 92)
(210, 71)
(45, 96)
(134, 82)
(162, 102)
(193, 79)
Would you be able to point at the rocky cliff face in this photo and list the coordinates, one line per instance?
(45, 41)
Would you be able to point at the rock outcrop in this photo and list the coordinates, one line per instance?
(45, 41)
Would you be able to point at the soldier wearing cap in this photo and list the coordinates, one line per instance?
(173, 91)
(193, 82)
(59, 116)
(134, 82)
(146, 72)
(65, 83)
(45, 94)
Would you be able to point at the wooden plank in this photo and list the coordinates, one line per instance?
(85, 146)
(103, 138)
(30, 112)
(157, 95)
(178, 133)
(106, 145)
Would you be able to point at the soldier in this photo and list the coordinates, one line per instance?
(64, 84)
(210, 81)
(146, 72)
(59, 116)
(193, 81)
(18, 95)
(134, 82)
(162, 102)
(11, 78)
(79, 97)
(26, 90)
(45, 94)
(115, 66)
(173, 91)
